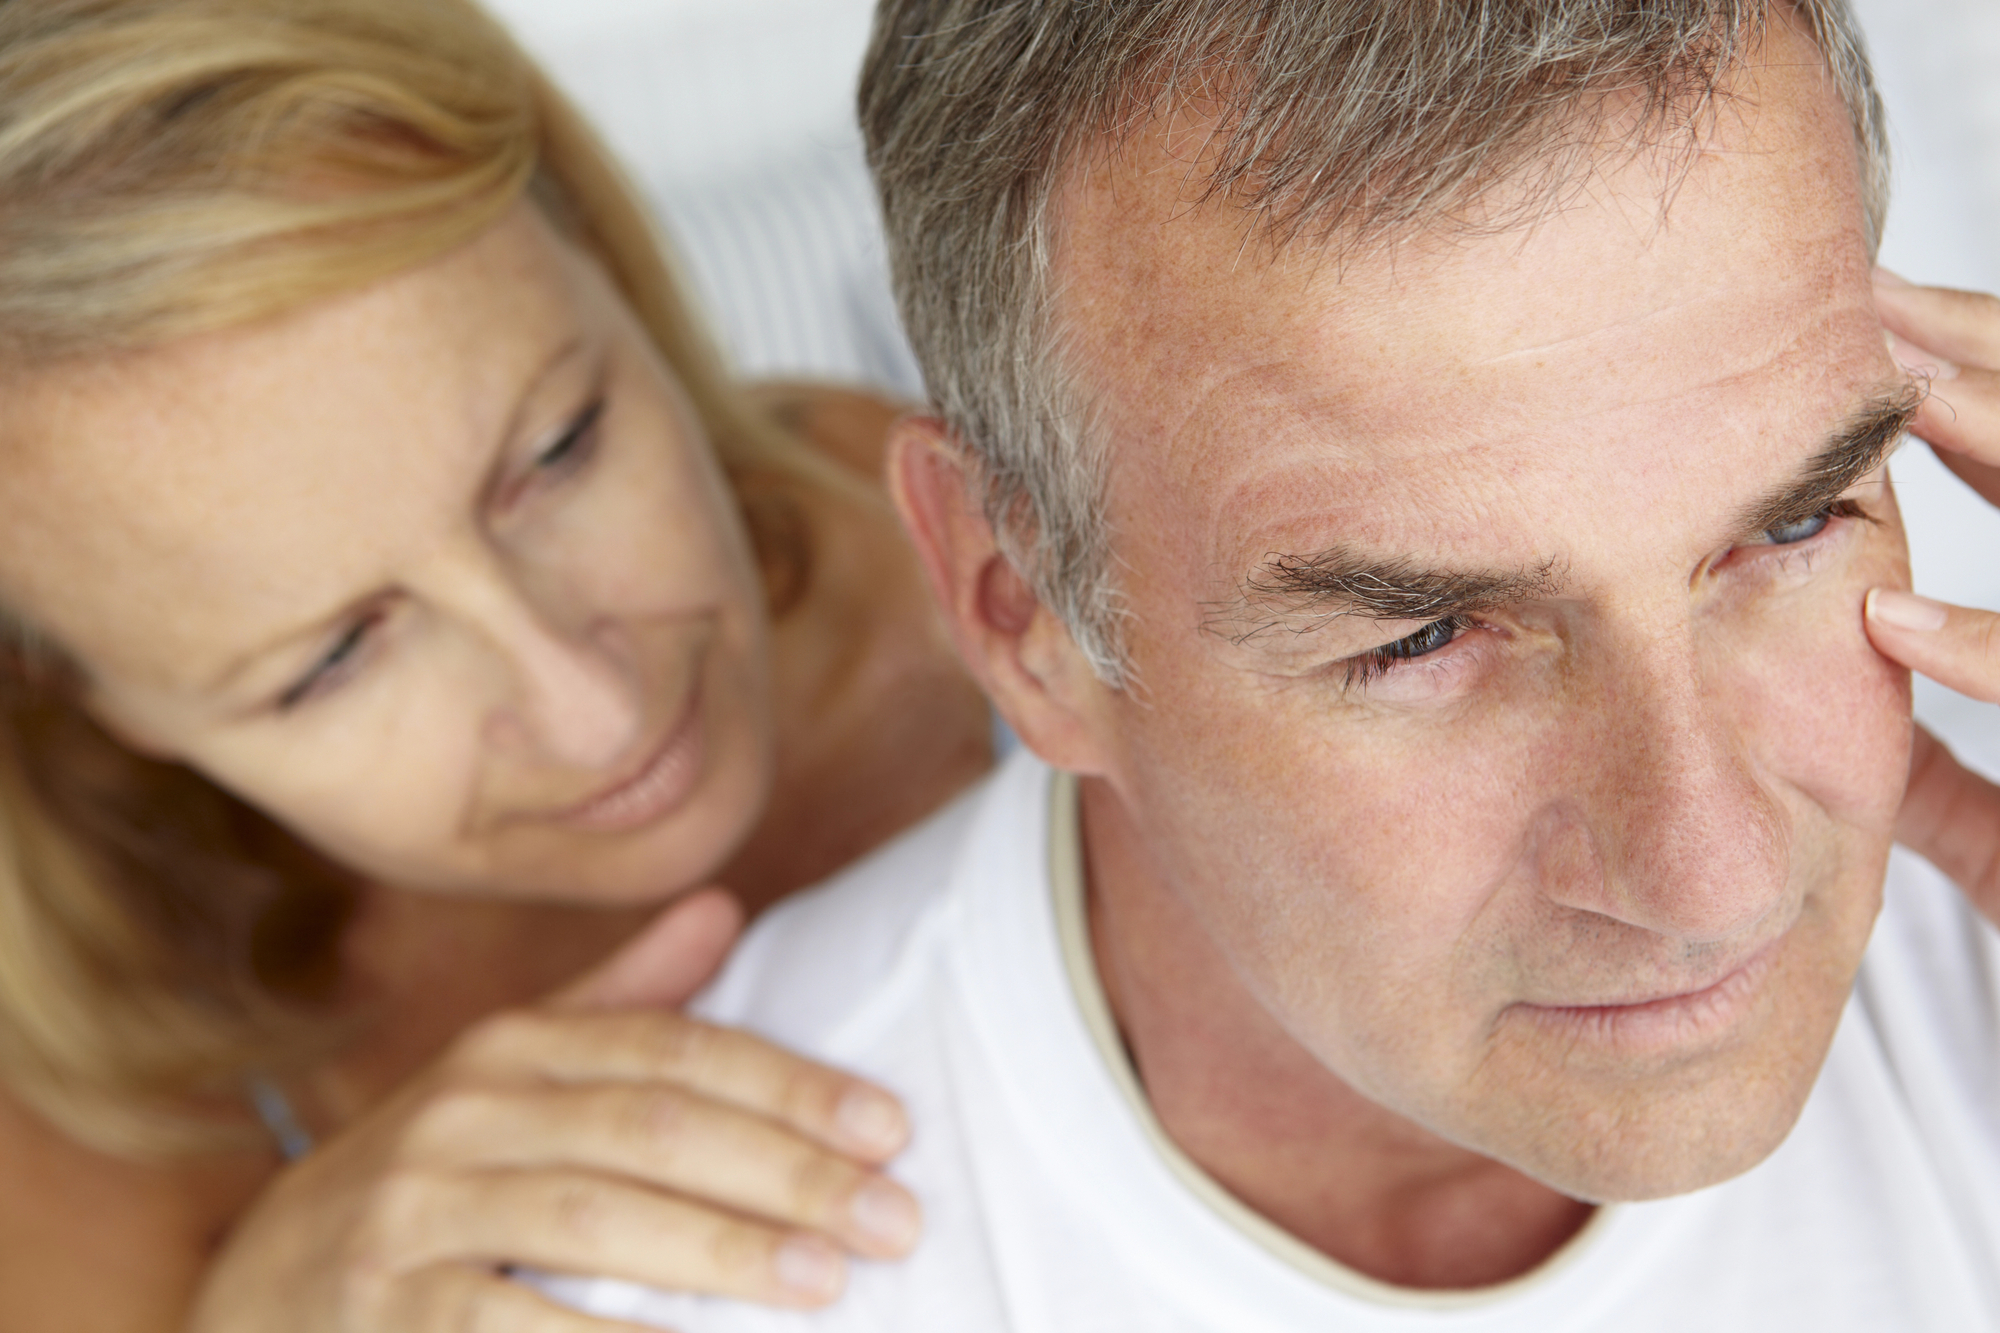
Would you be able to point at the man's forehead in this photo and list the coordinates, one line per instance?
(1164, 292)
(1427, 382)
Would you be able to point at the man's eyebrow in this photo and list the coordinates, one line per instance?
(1859, 445)
(1298, 594)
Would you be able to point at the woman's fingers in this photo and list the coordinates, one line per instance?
(676, 1141)
(1953, 645)
(667, 962)
(1951, 818)
(566, 1222)
(722, 1064)
(479, 1300)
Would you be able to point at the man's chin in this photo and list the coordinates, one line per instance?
(1620, 1131)
(1629, 1154)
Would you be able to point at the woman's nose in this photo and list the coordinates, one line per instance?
(576, 698)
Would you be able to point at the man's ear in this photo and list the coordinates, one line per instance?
(1019, 651)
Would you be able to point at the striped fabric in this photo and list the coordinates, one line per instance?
(736, 118)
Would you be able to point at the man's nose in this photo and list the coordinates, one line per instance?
(1687, 841)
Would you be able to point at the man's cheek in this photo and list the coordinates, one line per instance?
(1397, 839)
(1828, 716)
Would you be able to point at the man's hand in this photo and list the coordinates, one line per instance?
(1950, 816)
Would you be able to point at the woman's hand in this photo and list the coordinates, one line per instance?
(598, 1134)
(1950, 816)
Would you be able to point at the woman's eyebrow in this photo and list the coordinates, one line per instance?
(1859, 445)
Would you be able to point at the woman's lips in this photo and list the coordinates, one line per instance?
(1666, 1021)
(660, 786)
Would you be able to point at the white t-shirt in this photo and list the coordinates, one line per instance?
(951, 968)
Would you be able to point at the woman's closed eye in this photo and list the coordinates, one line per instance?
(333, 666)
(576, 443)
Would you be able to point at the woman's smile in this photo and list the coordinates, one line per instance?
(662, 784)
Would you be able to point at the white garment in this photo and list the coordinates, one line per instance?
(936, 967)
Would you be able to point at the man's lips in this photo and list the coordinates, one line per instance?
(662, 781)
(1660, 1019)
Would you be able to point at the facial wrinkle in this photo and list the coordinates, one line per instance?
(1302, 593)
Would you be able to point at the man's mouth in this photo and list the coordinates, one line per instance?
(658, 786)
(1662, 1020)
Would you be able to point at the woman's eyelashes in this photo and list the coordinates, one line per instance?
(576, 443)
(332, 667)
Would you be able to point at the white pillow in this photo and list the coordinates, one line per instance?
(736, 117)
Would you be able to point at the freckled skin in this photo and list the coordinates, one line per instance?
(543, 630)
(1347, 930)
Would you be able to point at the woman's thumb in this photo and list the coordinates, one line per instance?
(665, 963)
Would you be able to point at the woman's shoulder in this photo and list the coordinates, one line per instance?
(70, 1216)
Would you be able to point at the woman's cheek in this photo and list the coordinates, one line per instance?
(385, 796)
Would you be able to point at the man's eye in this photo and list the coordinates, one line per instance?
(330, 667)
(1376, 661)
(1791, 534)
(1803, 530)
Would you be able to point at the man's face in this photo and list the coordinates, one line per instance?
(1503, 709)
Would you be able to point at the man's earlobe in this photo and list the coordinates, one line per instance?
(1019, 652)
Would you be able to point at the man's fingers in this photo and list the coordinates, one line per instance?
(1981, 477)
(566, 1222)
(1963, 327)
(1953, 645)
(1961, 416)
(475, 1299)
(725, 1065)
(1951, 818)
(674, 1140)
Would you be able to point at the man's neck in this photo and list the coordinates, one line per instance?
(1272, 1124)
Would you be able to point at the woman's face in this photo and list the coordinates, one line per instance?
(441, 574)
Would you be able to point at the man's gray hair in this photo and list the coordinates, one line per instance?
(1346, 118)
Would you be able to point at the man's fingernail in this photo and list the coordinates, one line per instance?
(1919, 362)
(1905, 610)
(810, 1267)
(871, 1119)
(886, 1214)
(1887, 278)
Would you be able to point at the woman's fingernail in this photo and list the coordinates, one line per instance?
(1906, 610)
(1919, 362)
(811, 1267)
(1887, 278)
(871, 1119)
(886, 1214)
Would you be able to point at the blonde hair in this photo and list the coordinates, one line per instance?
(169, 167)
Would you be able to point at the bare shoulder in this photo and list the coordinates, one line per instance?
(878, 724)
(101, 1245)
